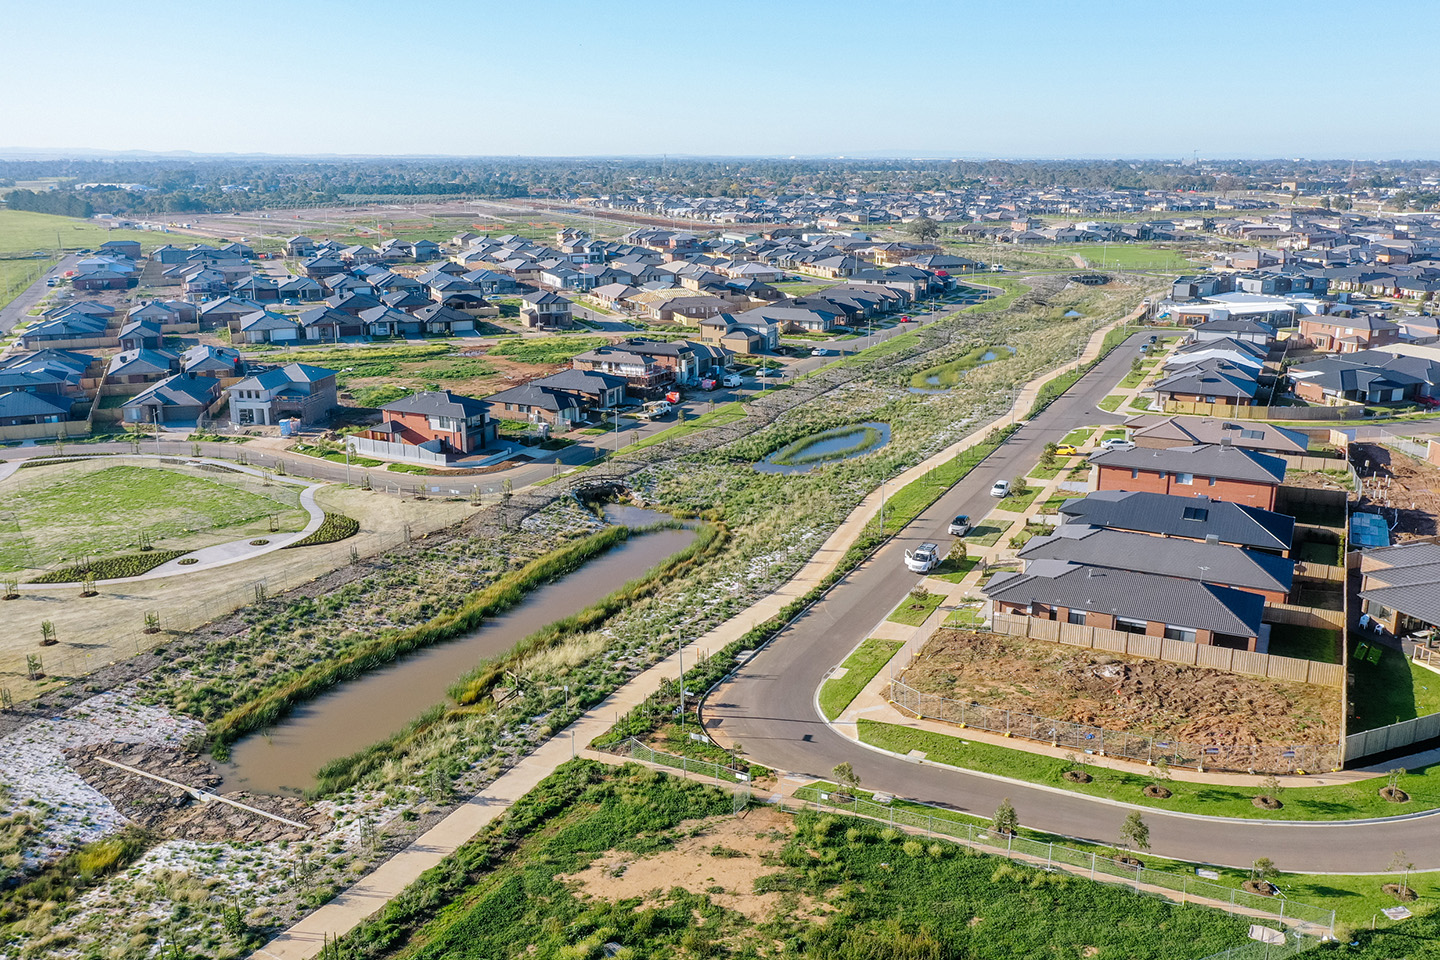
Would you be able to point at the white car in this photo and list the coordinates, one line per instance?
(732, 380)
(1000, 489)
(819, 352)
(1118, 444)
(923, 558)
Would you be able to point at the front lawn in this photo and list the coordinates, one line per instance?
(860, 668)
(1079, 437)
(914, 610)
(952, 570)
(989, 532)
(1111, 403)
(1019, 501)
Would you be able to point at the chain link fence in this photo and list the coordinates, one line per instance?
(635, 750)
(1086, 739)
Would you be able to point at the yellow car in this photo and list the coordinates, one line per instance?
(1067, 450)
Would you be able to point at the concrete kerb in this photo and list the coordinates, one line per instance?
(224, 553)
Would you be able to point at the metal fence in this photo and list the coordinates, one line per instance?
(1084, 738)
(1291, 944)
(635, 750)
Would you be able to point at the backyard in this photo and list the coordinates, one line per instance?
(55, 514)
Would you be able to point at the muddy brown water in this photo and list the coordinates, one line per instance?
(283, 759)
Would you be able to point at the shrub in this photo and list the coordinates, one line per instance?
(334, 528)
(112, 568)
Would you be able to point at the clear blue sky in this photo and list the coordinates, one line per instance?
(1003, 78)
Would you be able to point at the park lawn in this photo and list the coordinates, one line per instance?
(1019, 502)
(1392, 690)
(1358, 800)
(913, 612)
(1128, 256)
(1111, 403)
(22, 231)
(53, 514)
(1079, 436)
(988, 532)
(952, 570)
(860, 668)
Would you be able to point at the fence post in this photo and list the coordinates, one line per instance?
(1092, 866)
(1050, 855)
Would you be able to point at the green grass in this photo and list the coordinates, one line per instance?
(801, 288)
(1128, 256)
(1357, 800)
(799, 452)
(1306, 643)
(860, 668)
(16, 275)
(719, 417)
(1018, 501)
(66, 512)
(947, 375)
(914, 611)
(1078, 437)
(1052, 505)
(1116, 433)
(988, 532)
(559, 349)
(900, 896)
(952, 570)
(1392, 690)
(1042, 472)
(965, 616)
(23, 232)
(1111, 403)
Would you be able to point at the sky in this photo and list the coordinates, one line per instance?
(907, 78)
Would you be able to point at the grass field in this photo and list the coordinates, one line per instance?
(23, 232)
(53, 514)
(634, 864)
(16, 275)
(545, 349)
(860, 668)
(1127, 256)
(988, 532)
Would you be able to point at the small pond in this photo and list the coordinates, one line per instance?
(933, 384)
(829, 446)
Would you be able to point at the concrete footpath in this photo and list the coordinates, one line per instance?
(305, 939)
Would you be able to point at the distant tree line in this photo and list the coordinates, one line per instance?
(66, 203)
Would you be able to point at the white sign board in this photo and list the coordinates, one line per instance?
(1265, 934)
(1396, 913)
(1207, 874)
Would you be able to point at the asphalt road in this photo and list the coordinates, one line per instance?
(768, 706)
(16, 310)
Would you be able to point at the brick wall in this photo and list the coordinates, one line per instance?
(1154, 481)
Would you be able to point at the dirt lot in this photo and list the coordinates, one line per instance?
(729, 853)
(97, 631)
(1122, 693)
(1407, 490)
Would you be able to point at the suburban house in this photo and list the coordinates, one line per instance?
(1369, 376)
(741, 333)
(20, 409)
(141, 335)
(1241, 353)
(57, 372)
(599, 391)
(1264, 573)
(299, 247)
(429, 426)
(1400, 586)
(1348, 334)
(177, 399)
(538, 404)
(294, 390)
(1218, 471)
(1246, 331)
(226, 312)
(545, 310)
(1188, 518)
(203, 360)
(141, 366)
(262, 326)
(1129, 601)
(1153, 430)
(1209, 381)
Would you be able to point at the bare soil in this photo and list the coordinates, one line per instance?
(730, 852)
(1406, 490)
(1121, 693)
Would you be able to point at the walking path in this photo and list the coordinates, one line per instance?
(218, 555)
(306, 937)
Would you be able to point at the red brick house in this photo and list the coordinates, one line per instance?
(438, 420)
(1220, 472)
(1348, 334)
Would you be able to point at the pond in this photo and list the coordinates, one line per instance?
(285, 758)
(936, 382)
(828, 446)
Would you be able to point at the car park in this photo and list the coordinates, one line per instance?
(1001, 488)
(960, 525)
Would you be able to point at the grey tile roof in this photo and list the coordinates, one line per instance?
(1132, 595)
(580, 381)
(440, 403)
(1170, 557)
(544, 398)
(1165, 515)
(1200, 459)
(20, 404)
(1249, 435)
(1408, 582)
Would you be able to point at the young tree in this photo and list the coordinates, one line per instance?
(1399, 862)
(1047, 457)
(1135, 832)
(1262, 869)
(846, 776)
(1005, 820)
(1270, 787)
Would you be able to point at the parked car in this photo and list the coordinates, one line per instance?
(770, 372)
(1001, 488)
(1152, 339)
(732, 380)
(1428, 401)
(1118, 443)
(655, 411)
(1066, 450)
(923, 558)
(819, 352)
(960, 525)
(906, 318)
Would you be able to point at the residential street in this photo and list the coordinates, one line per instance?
(16, 310)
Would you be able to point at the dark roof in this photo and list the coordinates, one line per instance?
(1408, 582)
(439, 403)
(1251, 434)
(1200, 459)
(1169, 557)
(580, 381)
(1132, 595)
(529, 395)
(20, 404)
(1190, 517)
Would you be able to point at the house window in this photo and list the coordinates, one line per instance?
(1076, 617)
(1134, 473)
(1183, 634)
(1126, 625)
(1185, 479)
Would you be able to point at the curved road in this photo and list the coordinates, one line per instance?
(769, 704)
